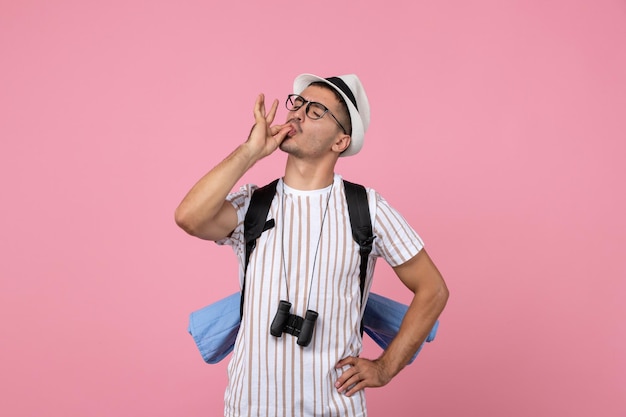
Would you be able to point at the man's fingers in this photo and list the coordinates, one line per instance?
(280, 132)
(356, 388)
(262, 96)
(348, 376)
(350, 360)
(351, 381)
(262, 133)
(259, 108)
(272, 113)
(360, 374)
(275, 129)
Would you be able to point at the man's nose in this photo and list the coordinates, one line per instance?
(300, 114)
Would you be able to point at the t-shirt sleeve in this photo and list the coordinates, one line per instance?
(396, 241)
(240, 201)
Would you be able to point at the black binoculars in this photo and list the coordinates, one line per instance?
(285, 322)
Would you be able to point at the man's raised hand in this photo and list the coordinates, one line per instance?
(265, 138)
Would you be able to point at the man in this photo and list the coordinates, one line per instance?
(310, 260)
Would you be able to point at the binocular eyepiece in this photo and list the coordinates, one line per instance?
(285, 322)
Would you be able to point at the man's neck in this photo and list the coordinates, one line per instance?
(309, 175)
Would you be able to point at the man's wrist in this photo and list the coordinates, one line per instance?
(388, 366)
(246, 155)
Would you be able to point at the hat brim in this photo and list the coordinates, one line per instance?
(302, 81)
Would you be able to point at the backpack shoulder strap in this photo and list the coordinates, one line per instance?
(254, 224)
(361, 223)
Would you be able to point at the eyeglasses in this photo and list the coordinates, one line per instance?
(313, 109)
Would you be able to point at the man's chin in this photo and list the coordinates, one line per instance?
(285, 146)
(289, 148)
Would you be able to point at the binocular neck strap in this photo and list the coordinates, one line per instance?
(282, 240)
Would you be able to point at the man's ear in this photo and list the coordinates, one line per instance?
(342, 143)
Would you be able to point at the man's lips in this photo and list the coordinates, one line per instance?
(295, 128)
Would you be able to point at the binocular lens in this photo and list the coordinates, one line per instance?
(306, 333)
(280, 319)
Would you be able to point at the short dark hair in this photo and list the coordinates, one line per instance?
(342, 104)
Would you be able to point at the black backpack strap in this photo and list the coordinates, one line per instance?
(254, 224)
(361, 223)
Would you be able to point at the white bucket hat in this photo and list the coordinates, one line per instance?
(351, 89)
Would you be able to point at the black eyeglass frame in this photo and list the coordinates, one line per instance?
(292, 107)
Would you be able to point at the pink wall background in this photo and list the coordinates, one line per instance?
(497, 129)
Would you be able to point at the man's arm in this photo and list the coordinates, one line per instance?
(204, 212)
(422, 277)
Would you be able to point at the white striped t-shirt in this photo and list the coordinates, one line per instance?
(309, 259)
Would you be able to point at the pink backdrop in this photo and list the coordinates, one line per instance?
(497, 129)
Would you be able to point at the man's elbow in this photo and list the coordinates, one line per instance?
(439, 294)
(203, 228)
(184, 220)
(443, 293)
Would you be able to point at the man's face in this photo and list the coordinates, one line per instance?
(309, 137)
